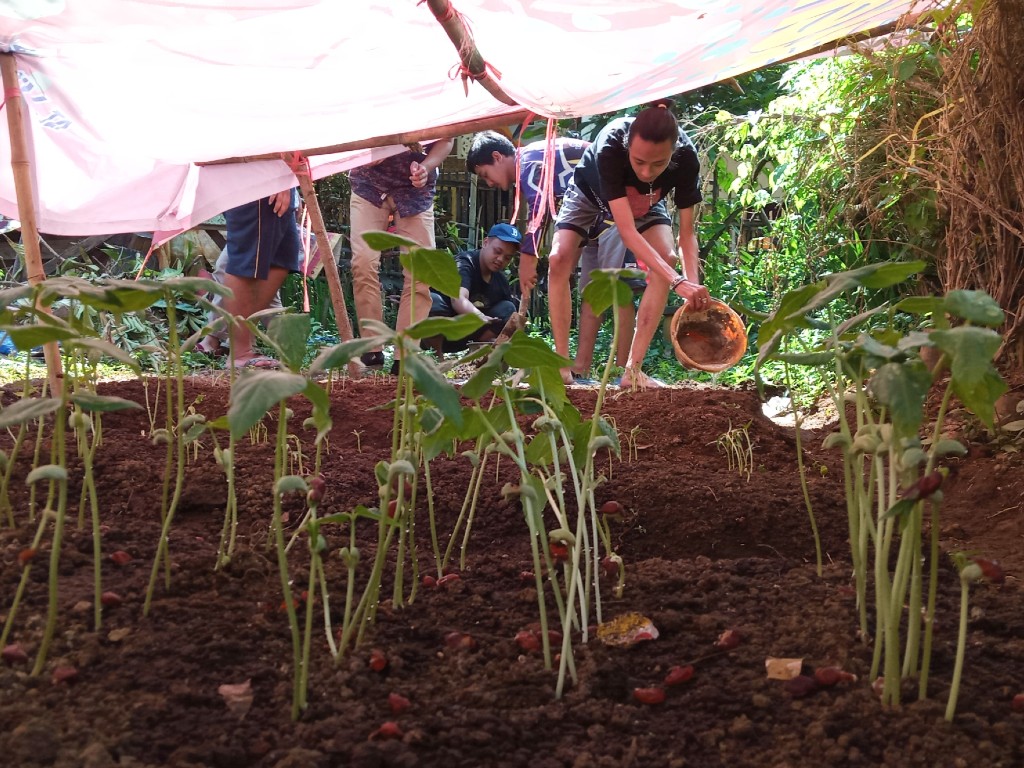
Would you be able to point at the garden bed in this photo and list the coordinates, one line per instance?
(705, 550)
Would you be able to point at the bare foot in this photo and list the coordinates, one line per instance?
(566, 375)
(634, 379)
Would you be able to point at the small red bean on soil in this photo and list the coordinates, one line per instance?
(800, 686)
(991, 570)
(1018, 703)
(829, 676)
(526, 577)
(13, 654)
(559, 552)
(387, 730)
(649, 695)
(429, 581)
(528, 641)
(610, 567)
(120, 557)
(447, 579)
(110, 599)
(398, 703)
(678, 675)
(64, 674)
(26, 555)
(460, 641)
(728, 640)
(612, 508)
(378, 661)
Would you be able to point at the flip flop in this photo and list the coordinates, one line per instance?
(260, 362)
(583, 381)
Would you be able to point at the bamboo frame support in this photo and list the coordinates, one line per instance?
(473, 63)
(22, 170)
(407, 137)
(323, 245)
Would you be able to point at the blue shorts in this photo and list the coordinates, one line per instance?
(258, 239)
(582, 216)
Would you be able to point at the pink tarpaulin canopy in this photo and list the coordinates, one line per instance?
(124, 97)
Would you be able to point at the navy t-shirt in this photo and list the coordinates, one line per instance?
(604, 171)
(483, 294)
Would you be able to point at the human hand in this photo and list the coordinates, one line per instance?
(696, 295)
(280, 202)
(527, 272)
(418, 175)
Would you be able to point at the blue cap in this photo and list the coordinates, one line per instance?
(506, 232)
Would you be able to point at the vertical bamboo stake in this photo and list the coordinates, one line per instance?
(21, 169)
(323, 246)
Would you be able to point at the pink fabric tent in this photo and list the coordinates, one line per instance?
(125, 97)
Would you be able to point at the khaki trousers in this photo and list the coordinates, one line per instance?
(367, 217)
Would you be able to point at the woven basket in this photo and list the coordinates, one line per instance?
(709, 340)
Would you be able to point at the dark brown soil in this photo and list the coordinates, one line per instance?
(705, 551)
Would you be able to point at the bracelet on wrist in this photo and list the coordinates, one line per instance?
(677, 282)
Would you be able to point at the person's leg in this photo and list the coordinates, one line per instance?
(627, 323)
(416, 302)
(604, 251)
(250, 296)
(565, 253)
(364, 217)
(213, 342)
(651, 312)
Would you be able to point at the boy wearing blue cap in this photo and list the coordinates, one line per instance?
(485, 291)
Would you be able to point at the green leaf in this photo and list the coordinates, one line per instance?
(28, 336)
(886, 274)
(24, 411)
(548, 380)
(191, 287)
(606, 288)
(975, 307)
(452, 328)
(872, 346)
(922, 305)
(538, 451)
(321, 408)
(435, 268)
(901, 507)
(107, 349)
(53, 472)
(90, 401)
(434, 386)
(288, 335)
(385, 241)
(255, 392)
(525, 351)
(902, 388)
(341, 354)
(974, 379)
(121, 296)
(906, 68)
(9, 296)
(482, 380)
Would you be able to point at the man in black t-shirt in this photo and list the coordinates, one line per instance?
(485, 291)
(633, 164)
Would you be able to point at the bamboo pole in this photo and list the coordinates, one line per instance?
(473, 65)
(408, 137)
(22, 171)
(323, 246)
